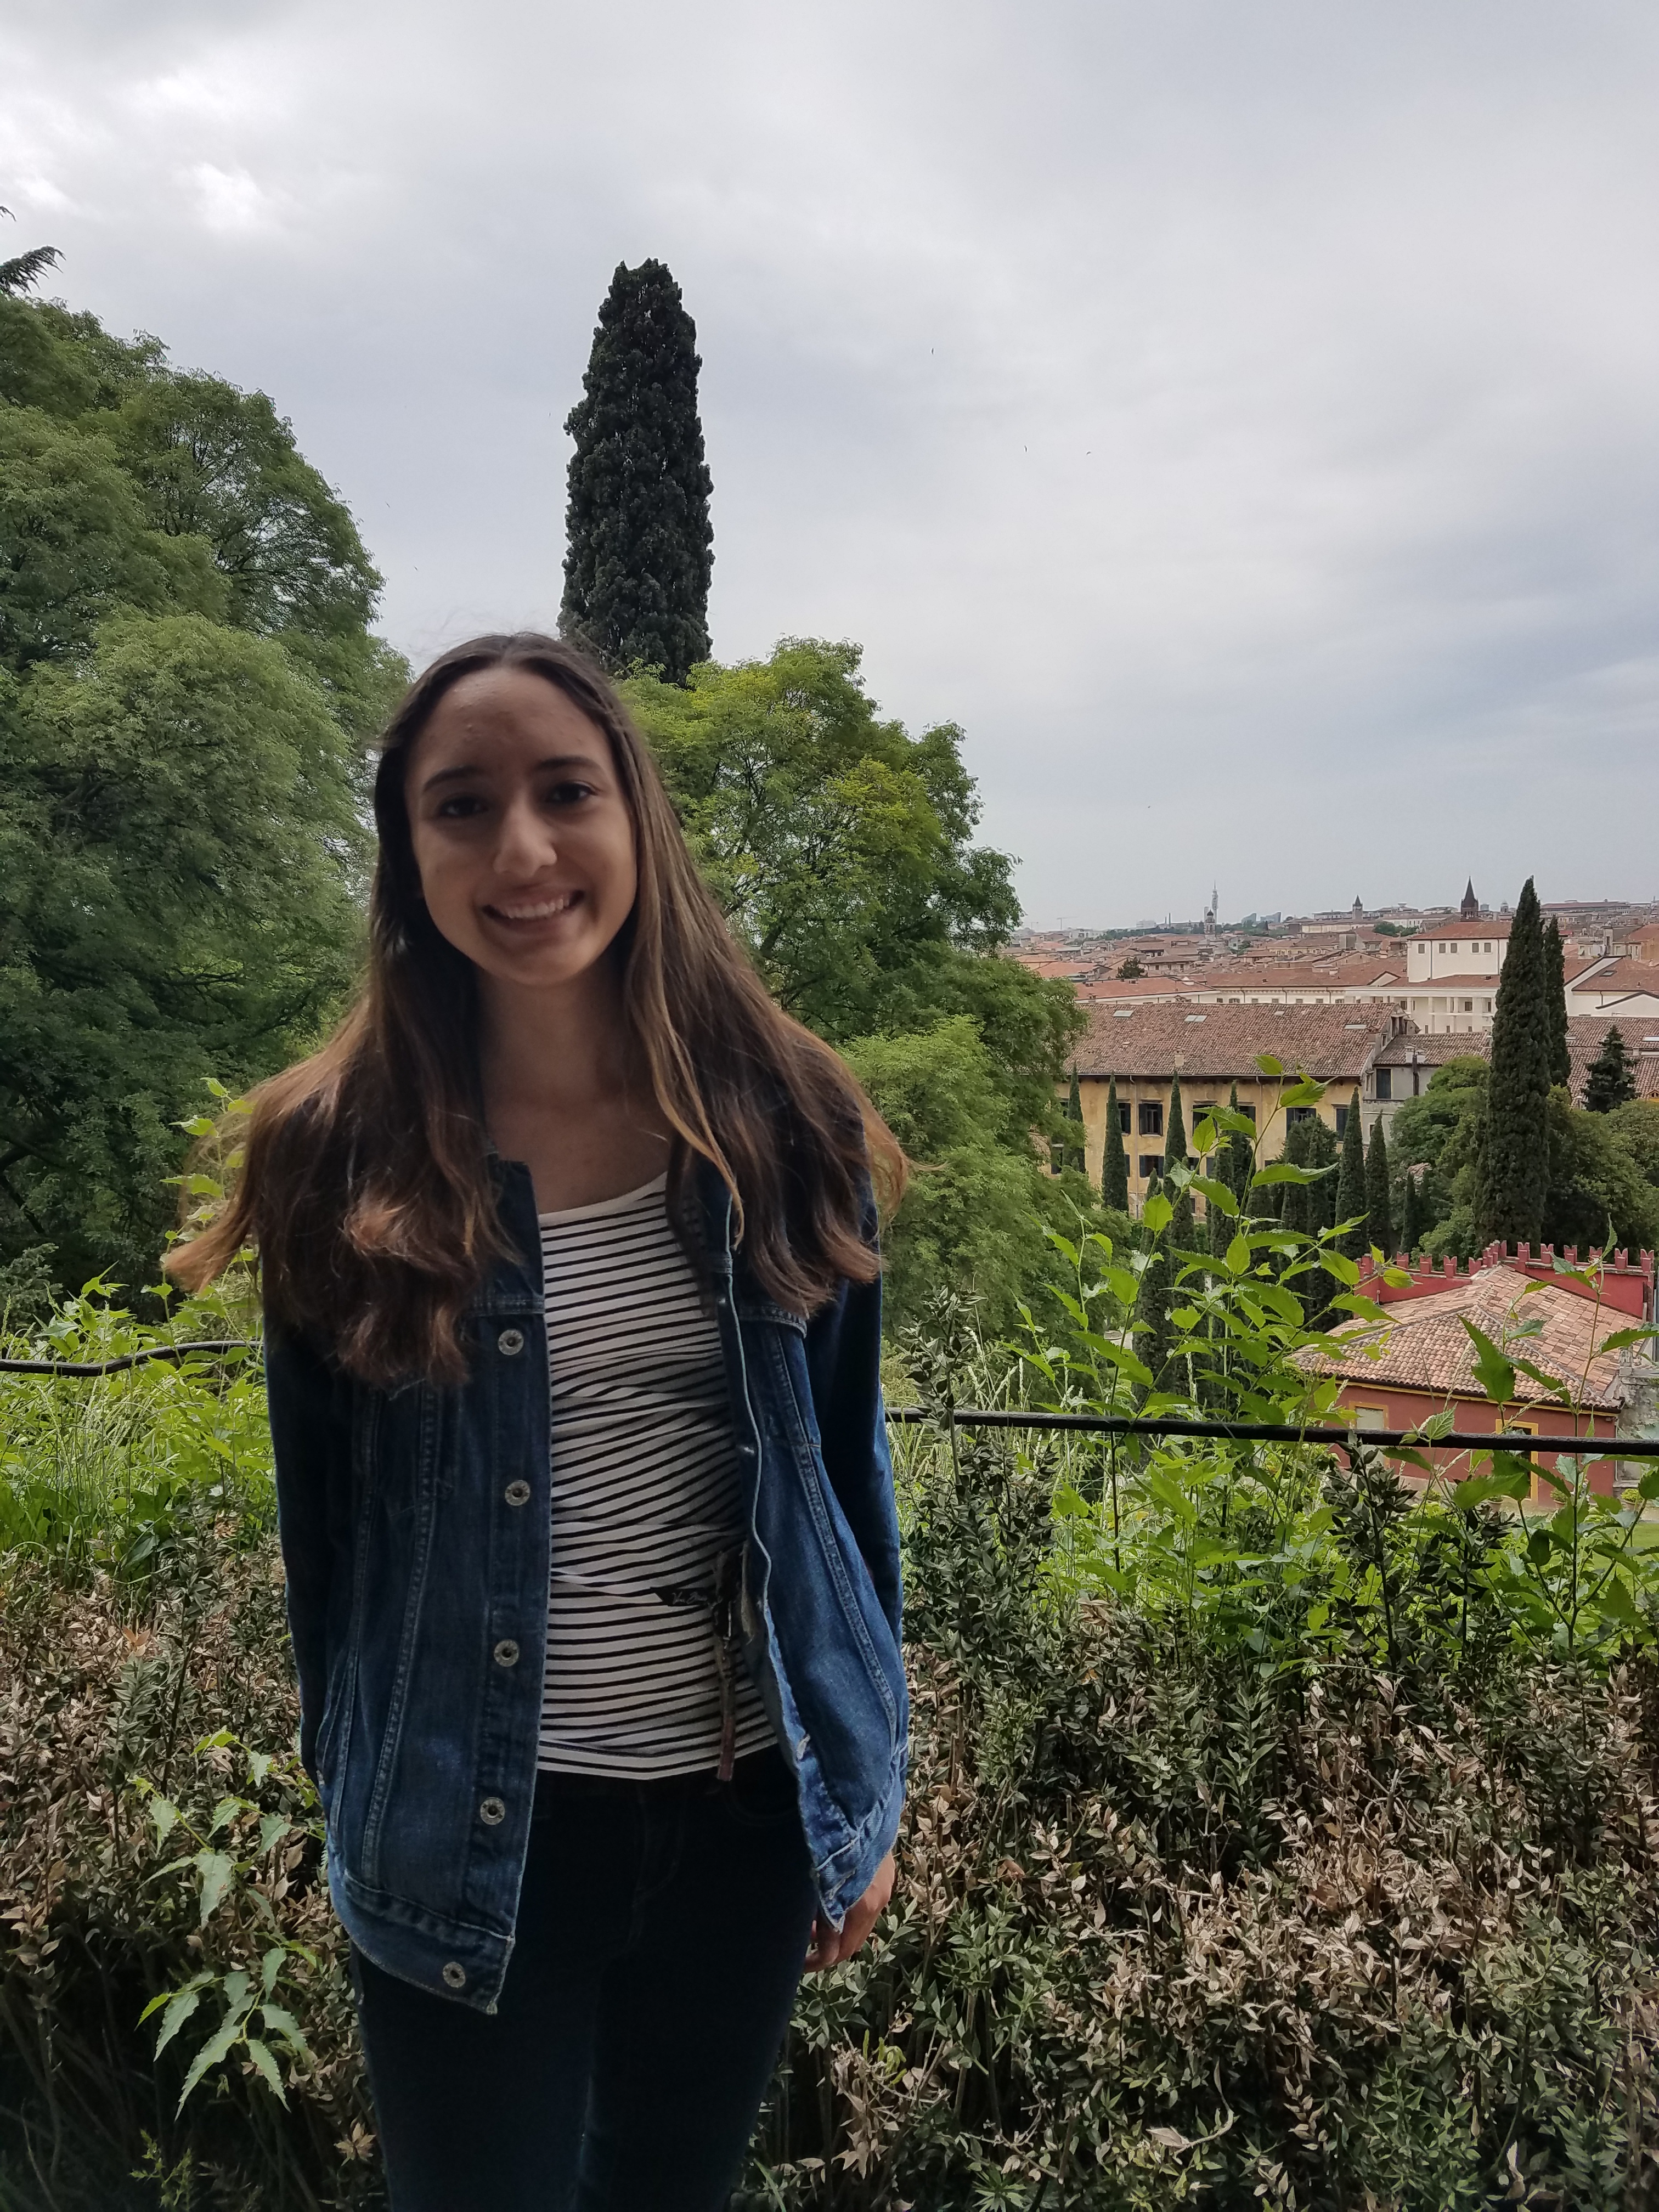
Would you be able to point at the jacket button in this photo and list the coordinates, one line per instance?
(517, 1493)
(507, 1653)
(510, 1341)
(455, 1974)
(492, 1812)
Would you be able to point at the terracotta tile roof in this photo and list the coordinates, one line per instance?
(1442, 933)
(1216, 1043)
(1423, 1345)
(1621, 976)
(1416, 1046)
(1135, 986)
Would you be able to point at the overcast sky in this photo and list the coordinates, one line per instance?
(1241, 415)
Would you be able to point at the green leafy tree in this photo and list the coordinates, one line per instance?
(180, 848)
(23, 271)
(1350, 1204)
(1114, 1162)
(1512, 1174)
(1611, 1082)
(1379, 1212)
(186, 675)
(972, 1219)
(841, 851)
(1555, 1000)
(1599, 1195)
(1131, 971)
(639, 543)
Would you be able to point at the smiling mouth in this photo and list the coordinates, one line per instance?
(526, 910)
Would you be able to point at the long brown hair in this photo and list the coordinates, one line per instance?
(365, 1182)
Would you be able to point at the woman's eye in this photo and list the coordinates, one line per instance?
(453, 809)
(569, 794)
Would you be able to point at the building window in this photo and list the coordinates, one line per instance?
(1367, 1417)
(1468, 1005)
(1295, 1114)
(1152, 1118)
(1341, 1121)
(1248, 1112)
(1151, 1164)
(1385, 1083)
(1123, 1117)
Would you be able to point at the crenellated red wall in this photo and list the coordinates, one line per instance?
(1626, 1284)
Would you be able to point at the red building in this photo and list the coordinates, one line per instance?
(1420, 1361)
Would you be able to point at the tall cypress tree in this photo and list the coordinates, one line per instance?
(1379, 1214)
(1074, 1115)
(1411, 1233)
(1610, 1082)
(1241, 1158)
(1114, 1163)
(1351, 1180)
(1515, 1157)
(1555, 1002)
(638, 542)
(1175, 1152)
(1153, 1335)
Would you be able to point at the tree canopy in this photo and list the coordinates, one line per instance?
(840, 848)
(186, 676)
(638, 554)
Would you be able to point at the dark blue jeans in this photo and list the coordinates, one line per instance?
(662, 1927)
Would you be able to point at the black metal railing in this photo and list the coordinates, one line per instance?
(1519, 1443)
(217, 1349)
(1280, 1432)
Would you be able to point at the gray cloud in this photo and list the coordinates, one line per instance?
(1241, 420)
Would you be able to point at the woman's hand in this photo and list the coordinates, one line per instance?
(826, 1948)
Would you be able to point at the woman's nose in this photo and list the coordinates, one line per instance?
(526, 842)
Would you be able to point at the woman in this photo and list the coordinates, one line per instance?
(568, 1249)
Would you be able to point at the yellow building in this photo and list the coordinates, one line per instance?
(1145, 1048)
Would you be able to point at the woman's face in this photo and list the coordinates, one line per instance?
(523, 840)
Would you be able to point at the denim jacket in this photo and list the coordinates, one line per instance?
(415, 1528)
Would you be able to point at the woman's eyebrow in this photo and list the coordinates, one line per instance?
(477, 768)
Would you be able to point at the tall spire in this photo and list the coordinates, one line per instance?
(1471, 907)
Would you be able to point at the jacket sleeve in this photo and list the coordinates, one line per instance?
(310, 1406)
(843, 1358)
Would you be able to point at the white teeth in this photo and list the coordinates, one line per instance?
(541, 913)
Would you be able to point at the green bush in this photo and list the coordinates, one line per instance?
(1274, 1836)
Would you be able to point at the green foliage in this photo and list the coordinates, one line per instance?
(1075, 1152)
(1413, 1219)
(1559, 1056)
(1511, 1180)
(1379, 1213)
(1130, 970)
(1114, 1162)
(969, 1219)
(180, 852)
(1611, 1081)
(186, 675)
(1351, 1196)
(840, 849)
(1600, 1192)
(639, 543)
(1440, 1129)
(1271, 1835)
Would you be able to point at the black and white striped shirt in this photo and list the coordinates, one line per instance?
(647, 1492)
